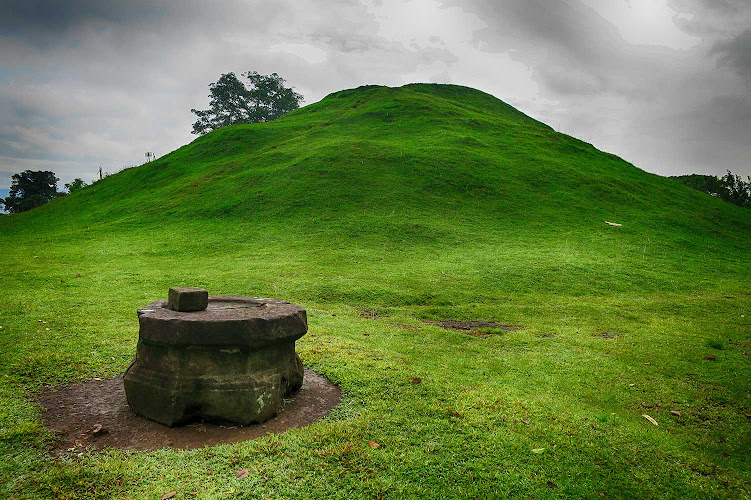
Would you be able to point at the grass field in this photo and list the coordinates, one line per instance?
(381, 210)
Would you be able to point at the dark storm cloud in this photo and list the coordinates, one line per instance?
(49, 21)
(736, 53)
(32, 19)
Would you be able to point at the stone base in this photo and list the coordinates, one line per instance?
(177, 397)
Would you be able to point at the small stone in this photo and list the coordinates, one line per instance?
(98, 430)
(188, 299)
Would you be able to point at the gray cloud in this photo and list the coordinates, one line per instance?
(569, 47)
(667, 110)
(712, 19)
(736, 53)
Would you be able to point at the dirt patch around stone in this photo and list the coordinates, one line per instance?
(95, 414)
(475, 328)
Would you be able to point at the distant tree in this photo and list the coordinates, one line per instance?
(231, 102)
(75, 185)
(31, 188)
(731, 188)
(738, 191)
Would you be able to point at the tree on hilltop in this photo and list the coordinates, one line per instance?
(29, 189)
(75, 185)
(231, 102)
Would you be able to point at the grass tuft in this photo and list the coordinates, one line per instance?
(714, 344)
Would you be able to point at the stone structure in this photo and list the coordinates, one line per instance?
(187, 299)
(233, 360)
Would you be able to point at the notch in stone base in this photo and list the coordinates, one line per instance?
(188, 299)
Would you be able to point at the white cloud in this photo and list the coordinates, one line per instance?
(649, 22)
(309, 53)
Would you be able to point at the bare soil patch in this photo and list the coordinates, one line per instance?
(95, 414)
(371, 313)
(476, 328)
(409, 328)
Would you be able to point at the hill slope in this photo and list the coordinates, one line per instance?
(422, 165)
(382, 211)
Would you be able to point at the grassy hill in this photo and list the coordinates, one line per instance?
(383, 210)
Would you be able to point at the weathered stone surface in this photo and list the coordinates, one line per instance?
(188, 298)
(233, 361)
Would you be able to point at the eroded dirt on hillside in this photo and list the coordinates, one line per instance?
(475, 328)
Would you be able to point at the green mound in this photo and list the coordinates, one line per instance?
(386, 211)
(424, 166)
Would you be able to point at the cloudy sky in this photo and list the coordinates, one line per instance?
(666, 84)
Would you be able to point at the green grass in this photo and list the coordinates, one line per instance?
(381, 210)
(715, 344)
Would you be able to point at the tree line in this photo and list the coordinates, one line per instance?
(731, 188)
